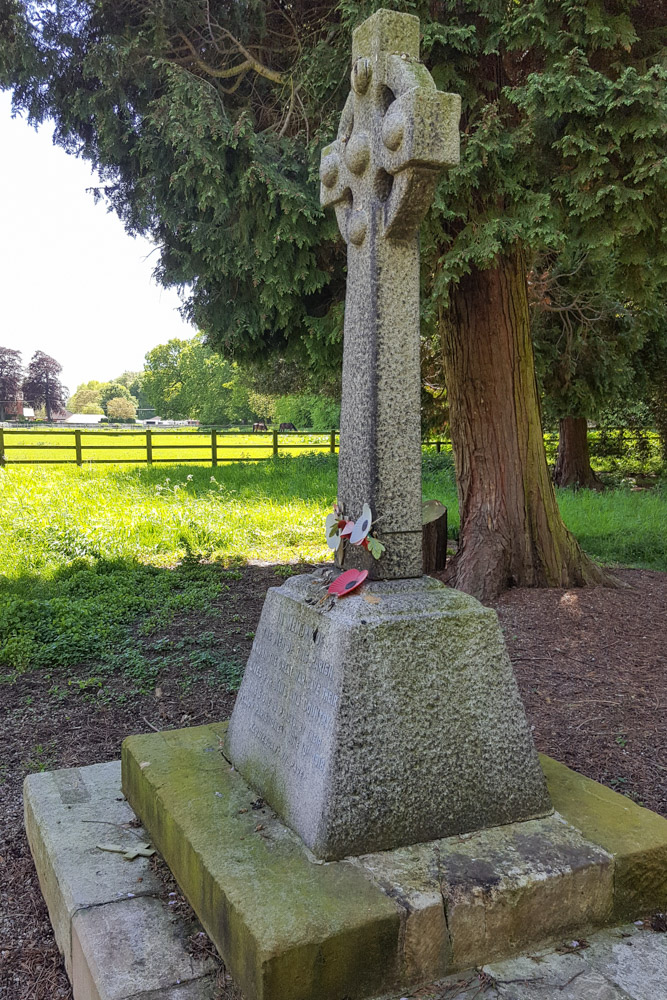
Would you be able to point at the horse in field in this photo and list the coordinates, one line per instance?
(258, 427)
(287, 427)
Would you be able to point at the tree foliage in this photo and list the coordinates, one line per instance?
(192, 115)
(42, 386)
(115, 390)
(85, 397)
(121, 408)
(206, 120)
(10, 378)
(185, 378)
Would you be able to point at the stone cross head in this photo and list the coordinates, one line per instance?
(397, 133)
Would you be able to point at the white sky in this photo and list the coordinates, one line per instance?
(72, 282)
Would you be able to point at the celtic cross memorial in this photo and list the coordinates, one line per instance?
(397, 133)
(392, 716)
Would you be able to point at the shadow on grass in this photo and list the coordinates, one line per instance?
(96, 618)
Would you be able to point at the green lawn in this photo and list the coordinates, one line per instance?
(93, 557)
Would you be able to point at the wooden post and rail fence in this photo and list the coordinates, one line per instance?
(213, 447)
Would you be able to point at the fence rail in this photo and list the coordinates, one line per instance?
(607, 446)
(212, 446)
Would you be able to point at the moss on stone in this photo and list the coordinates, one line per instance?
(636, 837)
(285, 925)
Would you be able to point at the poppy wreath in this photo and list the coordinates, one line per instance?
(347, 582)
(340, 530)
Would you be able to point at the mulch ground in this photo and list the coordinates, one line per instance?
(591, 665)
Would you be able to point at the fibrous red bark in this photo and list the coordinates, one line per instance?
(573, 461)
(511, 530)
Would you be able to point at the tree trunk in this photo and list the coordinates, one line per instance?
(434, 537)
(511, 530)
(658, 406)
(573, 461)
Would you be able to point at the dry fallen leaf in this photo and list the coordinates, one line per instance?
(370, 598)
(141, 851)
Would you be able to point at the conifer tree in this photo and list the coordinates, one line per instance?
(206, 120)
(10, 379)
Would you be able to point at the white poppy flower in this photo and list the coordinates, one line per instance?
(333, 536)
(362, 526)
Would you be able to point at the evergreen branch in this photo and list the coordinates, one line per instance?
(250, 63)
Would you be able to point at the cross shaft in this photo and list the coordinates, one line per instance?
(397, 133)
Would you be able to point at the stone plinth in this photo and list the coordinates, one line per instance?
(388, 718)
(290, 927)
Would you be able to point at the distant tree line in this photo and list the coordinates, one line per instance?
(187, 379)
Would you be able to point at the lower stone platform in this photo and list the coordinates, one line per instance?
(289, 926)
(123, 941)
(118, 935)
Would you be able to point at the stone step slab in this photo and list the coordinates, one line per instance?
(633, 835)
(118, 939)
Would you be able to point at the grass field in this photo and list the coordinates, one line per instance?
(92, 559)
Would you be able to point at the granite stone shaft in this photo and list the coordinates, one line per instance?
(397, 133)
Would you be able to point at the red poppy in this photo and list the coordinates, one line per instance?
(347, 582)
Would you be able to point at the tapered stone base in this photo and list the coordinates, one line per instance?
(387, 718)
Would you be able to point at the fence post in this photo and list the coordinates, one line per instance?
(77, 445)
(275, 443)
(437, 447)
(149, 447)
(332, 441)
(214, 448)
(3, 459)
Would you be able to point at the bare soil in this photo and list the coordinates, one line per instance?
(591, 665)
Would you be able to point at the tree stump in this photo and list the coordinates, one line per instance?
(434, 536)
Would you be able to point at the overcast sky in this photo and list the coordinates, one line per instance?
(72, 282)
